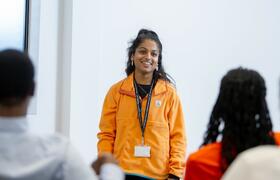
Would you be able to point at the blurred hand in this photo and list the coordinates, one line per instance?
(102, 159)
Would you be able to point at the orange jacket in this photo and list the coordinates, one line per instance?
(204, 164)
(120, 130)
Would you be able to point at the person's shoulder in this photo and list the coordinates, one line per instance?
(261, 162)
(166, 86)
(277, 137)
(261, 154)
(205, 162)
(205, 153)
(54, 142)
(169, 86)
(117, 85)
(56, 137)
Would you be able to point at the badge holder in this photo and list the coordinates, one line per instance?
(142, 150)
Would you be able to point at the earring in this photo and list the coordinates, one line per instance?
(157, 68)
(131, 62)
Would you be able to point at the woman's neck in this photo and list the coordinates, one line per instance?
(141, 78)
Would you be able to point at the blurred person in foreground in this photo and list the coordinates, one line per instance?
(239, 120)
(259, 163)
(26, 156)
(262, 162)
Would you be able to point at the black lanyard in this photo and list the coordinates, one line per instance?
(143, 123)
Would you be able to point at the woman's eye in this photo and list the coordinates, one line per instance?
(142, 52)
(154, 54)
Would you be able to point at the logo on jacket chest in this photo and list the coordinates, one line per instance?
(158, 103)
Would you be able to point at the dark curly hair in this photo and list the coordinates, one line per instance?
(240, 115)
(16, 77)
(144, 34)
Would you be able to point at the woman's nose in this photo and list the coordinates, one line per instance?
(149, 56)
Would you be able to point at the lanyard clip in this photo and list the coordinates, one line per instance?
(143, 142)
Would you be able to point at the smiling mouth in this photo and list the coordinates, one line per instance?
(146, 62)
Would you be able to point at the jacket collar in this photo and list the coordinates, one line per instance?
(13, 124)
(127, 86)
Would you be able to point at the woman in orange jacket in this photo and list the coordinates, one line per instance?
(142, 120)
(240, 120)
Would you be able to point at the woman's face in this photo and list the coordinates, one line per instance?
(145, 58)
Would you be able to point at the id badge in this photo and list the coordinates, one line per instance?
(142, 151)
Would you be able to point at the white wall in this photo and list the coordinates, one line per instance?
(202, 40)
(43, 49)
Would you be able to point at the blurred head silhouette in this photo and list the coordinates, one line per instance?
(240, 115)
(16, 79)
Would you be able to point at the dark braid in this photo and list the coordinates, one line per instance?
(242, 109)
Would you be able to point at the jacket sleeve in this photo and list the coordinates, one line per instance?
(107, 124)
(177, 137)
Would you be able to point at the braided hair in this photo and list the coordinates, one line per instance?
(240, 115)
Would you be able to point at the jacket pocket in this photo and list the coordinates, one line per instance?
(158, 138)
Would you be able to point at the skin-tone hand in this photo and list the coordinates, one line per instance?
(102, 159)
